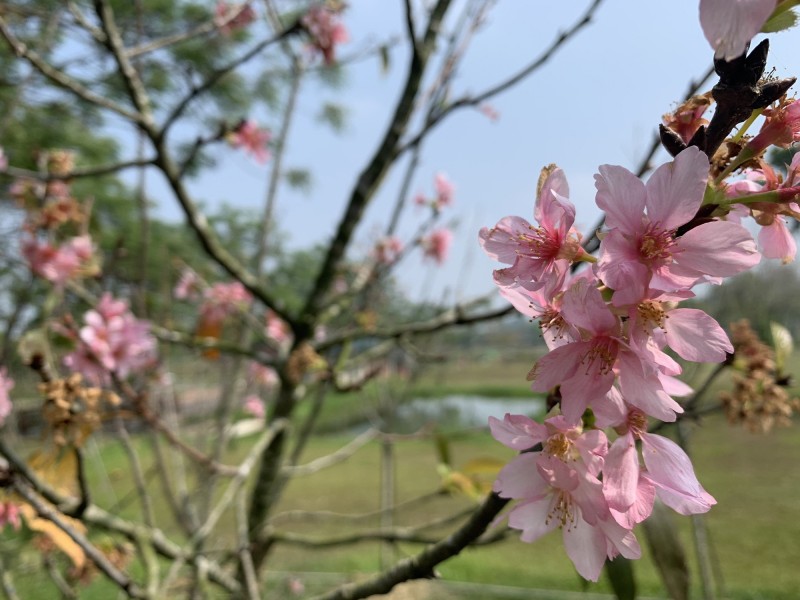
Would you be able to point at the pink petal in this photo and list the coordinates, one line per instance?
(517, 431)
(675, 191)
(719, 249)
(520, 478)
(641, 508)
(531, 518)
(621, 195)
(695, 336)
(621, 539)
(776, 241)
(586, 548)
(583, 306)
(621, 473)
(670, 469)
(729, 25)
(558, 365)
(502, 241)
(552, 205)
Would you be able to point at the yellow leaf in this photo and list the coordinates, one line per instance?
(483, 466)
(61, 540)
(57, 467)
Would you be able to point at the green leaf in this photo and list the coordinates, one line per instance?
(620, 575)
(334, 115)
(443, 449)
(386, 59)
(668, 553)
(780, 21)
(299, 179)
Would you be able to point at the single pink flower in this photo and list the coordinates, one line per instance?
(262, 375)
(277, 330)
(388, 249)
(325, 30)
(553, 495)
(3, 159)
(233, 17)
(222, 300)
(255, 406)
(444, 190)
(9, 515)
(436, 244)
(6, 385)
(188, 286)
(532, 251)
(642, 252)
(781, 127)
(489, 112)
(729, 25)
(690, 332)
(253, 139)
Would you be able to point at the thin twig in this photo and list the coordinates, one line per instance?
(334, 458)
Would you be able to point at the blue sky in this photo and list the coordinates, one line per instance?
(598, 101)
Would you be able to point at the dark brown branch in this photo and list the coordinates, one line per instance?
(422, 565)
(61, 79)
(373, 174)
(471, 101)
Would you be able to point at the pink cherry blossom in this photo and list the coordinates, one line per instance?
(57, 264)
(729, 25)
(325, 30)
(489, 112)
(781, 127)
(642, 251)
(6, 385)
(188, 286)
(533, 252)
(222, 300)
(553, 495)
(444, 190)
(255, 406)
(262, 375)
(276, 329)
(233, 17)
(690, 332)
(253, 139)
(586, 368)
(9, 515)
(112, 341)
(3, 159)
(775, 240)
(436, 244)
(388, 249)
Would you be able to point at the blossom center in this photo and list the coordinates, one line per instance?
(656, 245)
(652, 312)
(562, 510)
(637, 422)
(559, 446)
(541, 243)
(601, 355)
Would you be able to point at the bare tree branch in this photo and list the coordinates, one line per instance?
(61, 79)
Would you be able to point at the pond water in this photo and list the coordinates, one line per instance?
(459, 411)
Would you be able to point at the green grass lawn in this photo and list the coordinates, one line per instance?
(755, 527)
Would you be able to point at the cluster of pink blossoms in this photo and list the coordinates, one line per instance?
(57, 263)
(325, 30)
(253, 139)
(233, 17)
(111, 341)
(607, 328)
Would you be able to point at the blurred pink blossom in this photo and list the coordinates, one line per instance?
(253, 139)
(57, 264)
(9, 515)
(112, 341)
(437, 244)
(262, 375)
(388, 249)
(255, 406)
(326, 31)
(444, 190)
(222, 300)
(6, 385)
(489, 112)
(232, 17)
(188, 285)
